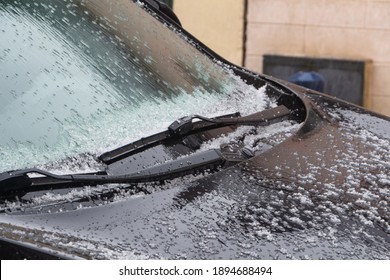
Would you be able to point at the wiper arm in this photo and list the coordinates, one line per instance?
(185, 126)
(18, 182)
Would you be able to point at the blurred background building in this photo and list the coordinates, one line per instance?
(346, 41)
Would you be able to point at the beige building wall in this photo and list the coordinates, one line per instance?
(217, 23)
(354, 29)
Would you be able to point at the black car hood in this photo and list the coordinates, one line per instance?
(322, 193)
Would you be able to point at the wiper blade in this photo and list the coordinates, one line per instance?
(185, 126)
(18, 182)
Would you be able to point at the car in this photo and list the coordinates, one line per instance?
(125, 137)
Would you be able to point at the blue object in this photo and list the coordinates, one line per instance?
(311, 80)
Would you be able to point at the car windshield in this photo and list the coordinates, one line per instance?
(75, 80)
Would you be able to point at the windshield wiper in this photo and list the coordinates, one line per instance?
(185, 126)
(19, 182)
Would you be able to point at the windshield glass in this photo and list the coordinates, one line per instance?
(78, 79)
